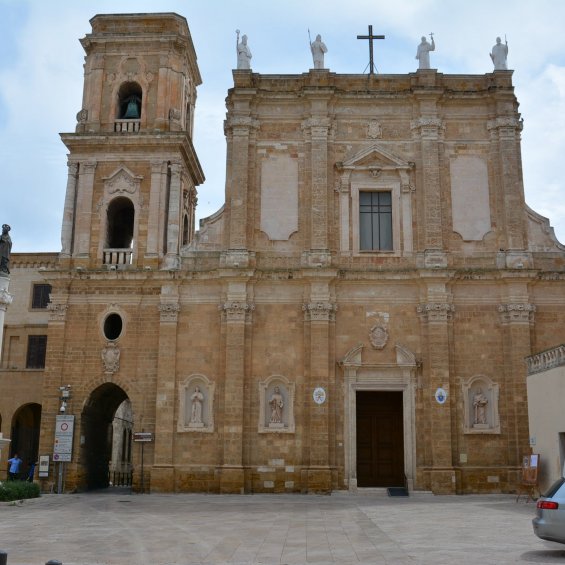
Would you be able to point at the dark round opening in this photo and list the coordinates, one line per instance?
(113, 326)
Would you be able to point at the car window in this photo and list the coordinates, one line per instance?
(554, 488)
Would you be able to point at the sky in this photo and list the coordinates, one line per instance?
(41, 79)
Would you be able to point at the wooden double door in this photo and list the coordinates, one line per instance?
(380, 439)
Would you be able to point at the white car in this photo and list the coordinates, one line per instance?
(549, 524)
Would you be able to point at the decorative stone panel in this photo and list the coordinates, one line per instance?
(110, 358)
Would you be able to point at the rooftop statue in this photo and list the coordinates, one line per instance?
(423, 53)
(5, 249)
(243, 52)
(318, 49)
(499, 55)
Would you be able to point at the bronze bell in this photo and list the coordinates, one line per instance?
(132, 109)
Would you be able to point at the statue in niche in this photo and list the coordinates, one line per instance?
(318, 49)
(5, 249)
(243, 52)
(480, 403)
(276, 403)
(197, 399)
(423, 53)
(499, 55)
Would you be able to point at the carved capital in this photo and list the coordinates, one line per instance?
(240, 125)
(435, 311)
(236, 311)
(505, 122)
(169, 311)
(319, 311)
(72, 168)
(522, 313)
(57, 312)
(428, 128)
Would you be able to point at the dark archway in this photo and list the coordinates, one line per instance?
(96, 421)
(26, 424)
(121, 216)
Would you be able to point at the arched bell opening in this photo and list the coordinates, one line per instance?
(26, 424)
(119, 233)
(104, 405)
(129, 101)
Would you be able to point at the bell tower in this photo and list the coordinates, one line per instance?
(133, 171)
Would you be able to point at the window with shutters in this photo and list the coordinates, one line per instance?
(36, 349)
(40, 296)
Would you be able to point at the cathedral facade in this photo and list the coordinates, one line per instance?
(357, 314)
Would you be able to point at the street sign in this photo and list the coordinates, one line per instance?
(142, 436)
(64, 428)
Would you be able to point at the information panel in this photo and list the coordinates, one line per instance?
(63, 449)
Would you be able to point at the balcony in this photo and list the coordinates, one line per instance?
(127, 126)
(118, 257)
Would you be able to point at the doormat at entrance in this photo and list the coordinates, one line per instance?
(397, 491)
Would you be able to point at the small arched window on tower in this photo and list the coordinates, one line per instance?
(119, 240)
(129, 108)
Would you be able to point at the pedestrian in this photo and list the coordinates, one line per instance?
(15, 464)
(31, 470)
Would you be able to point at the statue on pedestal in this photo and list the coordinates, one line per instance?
(499, 55)
(318, 49)
(243, 53)
(423, 53)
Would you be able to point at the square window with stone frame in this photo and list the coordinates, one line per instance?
(375, 221)
(40, 296)
(36, 349)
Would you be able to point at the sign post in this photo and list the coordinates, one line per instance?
(63, 449)
(143, 438)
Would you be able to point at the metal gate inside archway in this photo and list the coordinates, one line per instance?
(107, 423)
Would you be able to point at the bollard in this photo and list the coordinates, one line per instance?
(3, 557)
(53, 562)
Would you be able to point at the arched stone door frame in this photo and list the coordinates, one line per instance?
(360, 376)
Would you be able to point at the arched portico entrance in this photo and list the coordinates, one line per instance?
(97, 424)
(24, 433)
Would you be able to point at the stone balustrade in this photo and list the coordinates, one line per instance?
(118, 256)
(546, 360)
(127, 126)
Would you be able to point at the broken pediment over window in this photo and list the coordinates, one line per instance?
(122, 181)
(375, 161)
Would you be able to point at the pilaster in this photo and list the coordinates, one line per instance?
(236, 312)
(517, 318)
(319, 429)
(163, 470)
(239, 131)
(69, 211)
(155, 218)
(83, 224)
(172, 260)
(5, 301)
(428, 130)
(436, 315)
(505, 140)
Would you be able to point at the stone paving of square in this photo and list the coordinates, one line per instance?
(106, 528)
